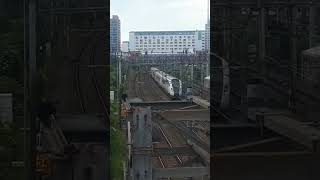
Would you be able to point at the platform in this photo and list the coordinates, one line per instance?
(83, 128)
(81, 122)
(288, 124)
(186, 115)
(202, 102)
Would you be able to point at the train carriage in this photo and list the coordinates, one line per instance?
(171, 85)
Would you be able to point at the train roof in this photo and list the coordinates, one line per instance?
(312, 52)
(169, 77)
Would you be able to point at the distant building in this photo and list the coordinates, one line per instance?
(125, 46)
(167, 42)
(115, 34)
(207, 36)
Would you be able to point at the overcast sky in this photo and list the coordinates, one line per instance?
(157, 15)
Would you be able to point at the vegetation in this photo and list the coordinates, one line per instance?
(117, 146)
(116, 138)
(113, 77)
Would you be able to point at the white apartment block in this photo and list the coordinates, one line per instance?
(167, 42)
(125, 46)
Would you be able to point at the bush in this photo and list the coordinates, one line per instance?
(117, 144)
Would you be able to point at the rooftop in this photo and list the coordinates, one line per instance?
(165, 32)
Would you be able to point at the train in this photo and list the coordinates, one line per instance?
(171, 85)
(206, 88)
(220, 91)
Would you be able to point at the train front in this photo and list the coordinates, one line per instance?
(176, 87)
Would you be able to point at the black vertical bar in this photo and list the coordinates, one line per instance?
(26, 91)
(31, 82)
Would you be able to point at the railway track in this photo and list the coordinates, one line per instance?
(145, 88)
(96, 84)
(190, 134)
(168, 161)
(92, 73)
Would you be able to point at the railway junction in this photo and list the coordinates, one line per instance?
(168, 138)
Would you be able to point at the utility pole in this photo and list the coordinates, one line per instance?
(312, 20)
(262, 46)
(293, 57)
(119, 66)
(30, 72)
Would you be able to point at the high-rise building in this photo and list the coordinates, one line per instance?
(167, 42)
(115, 34)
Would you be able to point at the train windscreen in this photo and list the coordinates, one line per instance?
(175, 85)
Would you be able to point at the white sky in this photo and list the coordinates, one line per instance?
(158, 15)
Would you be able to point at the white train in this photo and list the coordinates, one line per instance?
(220, 92)
(169, 84)
(207, 82)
